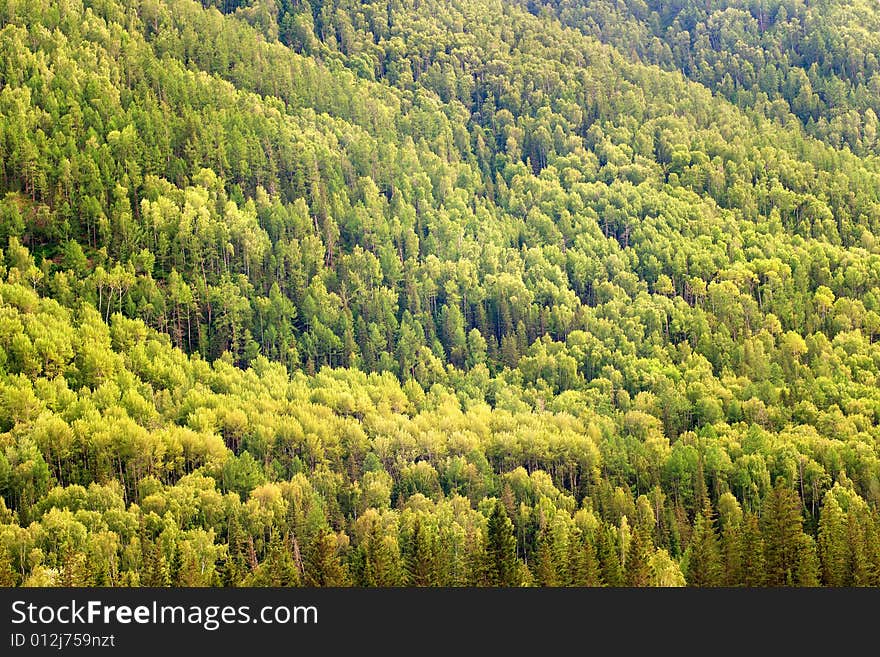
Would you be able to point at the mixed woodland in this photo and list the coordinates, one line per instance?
(439, 293)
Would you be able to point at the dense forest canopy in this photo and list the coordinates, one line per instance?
(469, 293)
(816, 60)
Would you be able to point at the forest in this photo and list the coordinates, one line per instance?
(422, 293)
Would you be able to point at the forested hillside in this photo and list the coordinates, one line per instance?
(816, 59)
(469, 293)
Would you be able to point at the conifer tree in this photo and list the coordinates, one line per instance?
(703, 553)
(835, 552)
(420, 559)
(731, 555)
(501, 549)
(381, 559)
(591, 572)
(807, 569)
(781, 528)
(582, 567)
(278, 567)
(752, 552)
(228, 571)
(608, 552)
(322, 566)
(638, 568)
(545, 566)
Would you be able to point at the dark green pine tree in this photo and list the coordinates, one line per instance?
(703, 553)
(872, 547)
(751, 548)
(731, 555)
(592, 575)
(98, 571)
(861, 565)
(176, 567)
(278, 568)
(502, 567)
(583, 565)
(545, 565)
(381, 562)
(782, 529)
(229, 572)
(159, 574)
(638, 568)
(576, 574)
(608, 553)
(322, 565)
(834, 544)
(153, 567)
(235, 564)
(419, 560)
(806, 572)
(560, 550)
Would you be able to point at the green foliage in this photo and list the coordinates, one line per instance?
(501, 549)
(439, 294)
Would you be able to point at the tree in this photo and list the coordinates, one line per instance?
(545, 566)
(381, 558)
(278, 568)
(323, 566)
(602, 312)
(665, 571)
(7, 572)
(502, 566)
(583, 564)
(703, 554)
(419, 558)
(752, 551)
(834, 546)
(638, 560)
(608, 554)
(730, 518)
(782, 531)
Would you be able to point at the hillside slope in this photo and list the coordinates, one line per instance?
(425, 293)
